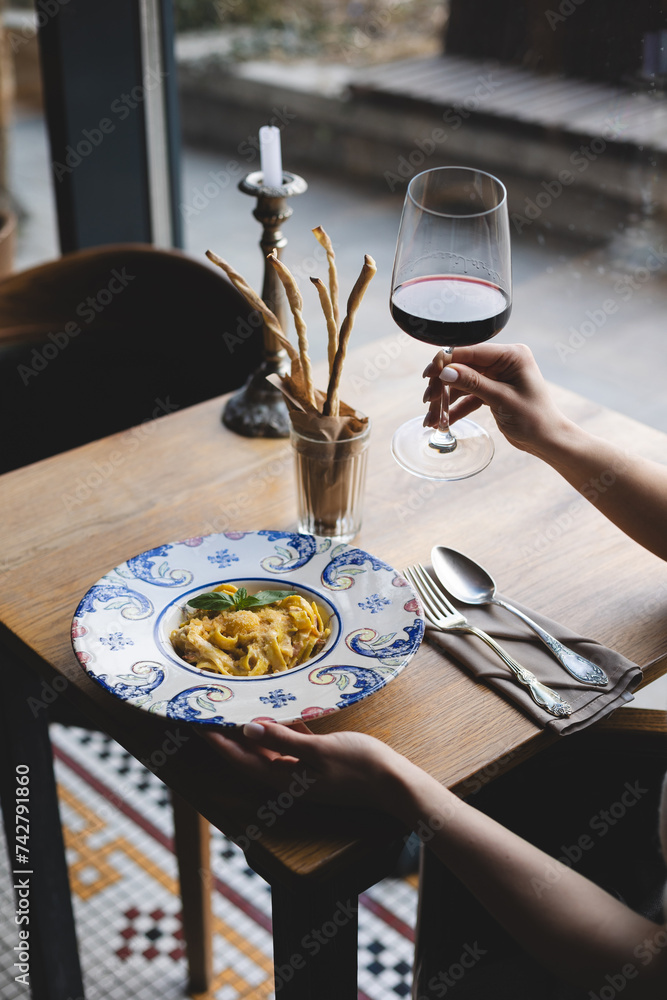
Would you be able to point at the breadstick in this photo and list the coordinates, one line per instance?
(296, 305)
(331, 404)
(253, 299)
(332, 327)
(325, 242)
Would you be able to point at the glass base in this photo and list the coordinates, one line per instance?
(412, 450)
(343, 531)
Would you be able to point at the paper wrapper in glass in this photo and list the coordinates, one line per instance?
(330, 463)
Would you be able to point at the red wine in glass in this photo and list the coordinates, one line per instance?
(450, 310)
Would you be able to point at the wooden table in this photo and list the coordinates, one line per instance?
(69, 519)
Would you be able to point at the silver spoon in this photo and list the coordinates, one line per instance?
(469, 583)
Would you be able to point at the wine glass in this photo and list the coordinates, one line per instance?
(451, 286)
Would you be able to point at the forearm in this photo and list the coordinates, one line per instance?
(570, 925)
(629, 490)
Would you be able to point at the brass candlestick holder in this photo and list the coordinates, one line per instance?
(258, 409)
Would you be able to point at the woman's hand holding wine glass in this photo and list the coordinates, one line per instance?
(506, 378)
(451, 286)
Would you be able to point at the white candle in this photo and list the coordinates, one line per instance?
(270, 158)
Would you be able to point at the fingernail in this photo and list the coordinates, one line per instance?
(427, 394)
(449, 375)
(428, 371)
(253, 730)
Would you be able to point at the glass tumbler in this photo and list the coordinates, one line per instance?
(330, 481)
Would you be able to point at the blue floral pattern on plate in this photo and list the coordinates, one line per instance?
(120, 633)
(115, 597)
(283, 560)
(277, 698)
(116, 641)
(347, 563)
(361, 681)
(199, 704)
(223, 558)
(374, 604)
(387, 648)
(143, 678)
(144, 567)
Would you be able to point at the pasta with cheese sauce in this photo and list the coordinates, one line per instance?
(254, 641)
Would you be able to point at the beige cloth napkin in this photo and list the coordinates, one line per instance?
(589, 703)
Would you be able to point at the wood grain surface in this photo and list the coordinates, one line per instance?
(69, 519)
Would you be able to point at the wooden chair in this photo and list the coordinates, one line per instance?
(93, 343)
(105, 338)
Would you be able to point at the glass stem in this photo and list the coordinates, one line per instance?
(442, 438)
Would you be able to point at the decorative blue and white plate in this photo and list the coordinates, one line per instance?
(121, 628)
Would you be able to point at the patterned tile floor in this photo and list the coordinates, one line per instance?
(117, 821)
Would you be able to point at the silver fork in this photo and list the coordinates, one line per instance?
(445, 618)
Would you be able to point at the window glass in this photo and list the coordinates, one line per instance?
(564, 102)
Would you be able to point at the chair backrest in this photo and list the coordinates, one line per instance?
(105, 338)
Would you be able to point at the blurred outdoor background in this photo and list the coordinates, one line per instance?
(369, 92)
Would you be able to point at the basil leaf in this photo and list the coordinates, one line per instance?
(266, 597)
(215, 601)
(219, 600)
